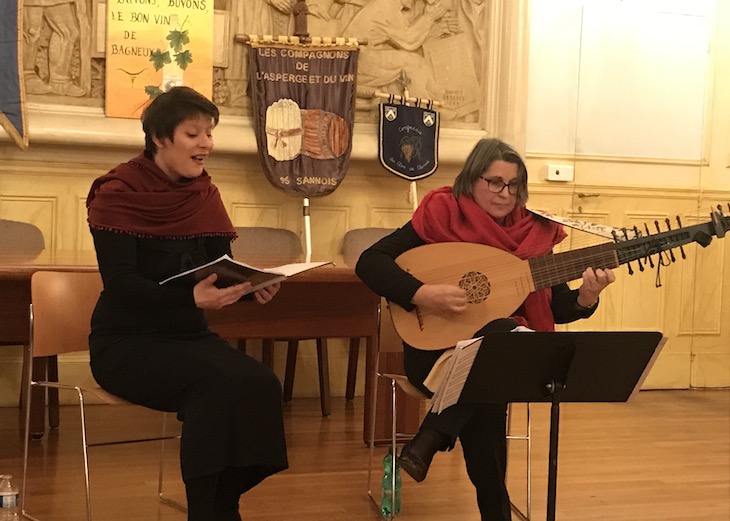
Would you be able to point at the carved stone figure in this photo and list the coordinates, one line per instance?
(342, 11)
(405, 40)
(395, 31)
(257, 17)
(281, 19)
(471, 15)
(69, 24)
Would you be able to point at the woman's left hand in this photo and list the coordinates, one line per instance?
(265, 295)
(594, 281)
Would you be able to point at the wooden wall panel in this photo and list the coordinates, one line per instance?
(245, 214)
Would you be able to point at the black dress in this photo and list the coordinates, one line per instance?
(151, 345)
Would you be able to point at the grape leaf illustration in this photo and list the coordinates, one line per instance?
(159, 58)
(177, 39)
(152, 91)
(183, 59)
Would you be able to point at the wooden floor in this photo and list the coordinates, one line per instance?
(663, 456)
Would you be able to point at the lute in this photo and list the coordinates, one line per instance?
(497, 282)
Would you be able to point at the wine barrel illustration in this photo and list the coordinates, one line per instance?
(284, 130)
(326, 135)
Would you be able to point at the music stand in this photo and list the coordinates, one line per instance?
(560, 367)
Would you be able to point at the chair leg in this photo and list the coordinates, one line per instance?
(239, 343)
(291, 366)
(53, 412)
(324, 376)
(373, 414)
(378, 502)
(393, 447)
(29, 434)
(85, 444)
(163, 499)
(37, 402)
(352, 360)
(267, 353)
(23, 381)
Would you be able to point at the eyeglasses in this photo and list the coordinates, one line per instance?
(497, 185)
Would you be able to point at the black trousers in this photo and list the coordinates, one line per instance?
(481, 428)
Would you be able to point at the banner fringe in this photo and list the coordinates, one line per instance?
(309, 41)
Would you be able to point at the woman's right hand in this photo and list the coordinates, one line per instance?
(444, 300)
(208, 296)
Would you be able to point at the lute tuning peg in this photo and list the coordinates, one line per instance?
(651, 262)
(637, 234)
(681, 249)
(669, 227)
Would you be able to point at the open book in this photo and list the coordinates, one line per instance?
(232, 272)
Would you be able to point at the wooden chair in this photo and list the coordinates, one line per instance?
(388, 343)
(60, 316)
(354, 243)
(23, 242)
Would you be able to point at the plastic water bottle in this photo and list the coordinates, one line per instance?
(9, 499)
(389, 501)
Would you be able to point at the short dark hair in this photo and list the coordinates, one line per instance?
(162, 116)
(486, 152)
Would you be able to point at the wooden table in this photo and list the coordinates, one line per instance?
(328, 302)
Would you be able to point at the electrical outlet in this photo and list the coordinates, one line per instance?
(560, 173)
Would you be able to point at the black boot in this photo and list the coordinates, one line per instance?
(416, 456)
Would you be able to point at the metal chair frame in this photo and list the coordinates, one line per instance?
(397, 380)
(80, 393)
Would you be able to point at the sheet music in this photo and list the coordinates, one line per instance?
(457, 372)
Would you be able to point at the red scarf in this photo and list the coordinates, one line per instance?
(442, 218)
(139, 199)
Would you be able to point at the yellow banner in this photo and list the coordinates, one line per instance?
(153, 45)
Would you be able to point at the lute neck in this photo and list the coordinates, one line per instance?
(550, 270)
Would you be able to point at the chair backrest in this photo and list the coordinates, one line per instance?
(20, 239)
(62, 304)
(260, 246)
(358, 240)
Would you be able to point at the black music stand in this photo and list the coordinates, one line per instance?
(560, 367)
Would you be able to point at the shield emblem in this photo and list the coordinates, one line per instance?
(408, 140)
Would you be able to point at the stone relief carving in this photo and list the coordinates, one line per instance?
(433, 48)
(57, 46)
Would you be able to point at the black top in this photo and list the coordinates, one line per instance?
(133, 302)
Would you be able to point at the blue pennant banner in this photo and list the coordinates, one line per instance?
(409, 140)
(12, 92)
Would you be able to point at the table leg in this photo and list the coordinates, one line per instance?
(352, 359)
(324, 376)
